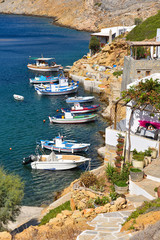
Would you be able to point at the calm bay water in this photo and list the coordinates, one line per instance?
(22, 122)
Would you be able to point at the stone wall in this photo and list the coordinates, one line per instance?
(137, 69)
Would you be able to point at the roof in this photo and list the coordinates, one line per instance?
(41, 59)
(105, 31)
(143, 43)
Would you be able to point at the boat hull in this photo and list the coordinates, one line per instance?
(44, 68)
(72, 120)
(33, 81)
(65, 149)
(80, 100)
(56, 165)
(84, 110)
(49, 93)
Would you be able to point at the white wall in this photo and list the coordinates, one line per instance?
(137, 142)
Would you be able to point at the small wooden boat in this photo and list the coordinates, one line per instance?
(61, 145)
(77, 108)
(57, 89)
(18, 97)
(42, 64)
(80, 99)
(69, 117)
(55, 162)
(43, 79)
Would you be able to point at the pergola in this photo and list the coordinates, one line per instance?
(136, 44)
(129, 96)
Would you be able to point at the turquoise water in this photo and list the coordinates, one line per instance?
(22, 122)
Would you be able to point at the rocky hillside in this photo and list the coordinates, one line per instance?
(89, 15)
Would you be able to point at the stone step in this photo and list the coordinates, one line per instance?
(145, 187)
(135, 200)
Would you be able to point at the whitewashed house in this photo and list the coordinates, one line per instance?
(106, 35)
(141, 137)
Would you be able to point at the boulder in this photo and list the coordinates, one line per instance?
(5, 236)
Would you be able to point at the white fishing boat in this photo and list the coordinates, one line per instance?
(42, 64)
(18, 97)
(43, 79)
(77, 108)
(55, 162)
(61, 88)
(61, 145)
(68, 117)
(80, 99)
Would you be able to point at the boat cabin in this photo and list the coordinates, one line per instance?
(68, 115)
(59, 141)
(77, 106)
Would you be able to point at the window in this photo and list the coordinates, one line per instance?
(148, 73)
(138, 72)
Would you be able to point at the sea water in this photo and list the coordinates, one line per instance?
(21, 123)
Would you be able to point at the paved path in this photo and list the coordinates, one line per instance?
(107, 226)
(153, 169)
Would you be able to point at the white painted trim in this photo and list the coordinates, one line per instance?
(153, 178)
(134, 189)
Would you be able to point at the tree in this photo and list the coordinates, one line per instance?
(11, 194)
(94, 44)
(138, 21)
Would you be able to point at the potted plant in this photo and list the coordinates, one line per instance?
(121, 187)
(136, 174)
(147, 157)
(120, 145)
(153, 152)
(120, 138)
(138, 159)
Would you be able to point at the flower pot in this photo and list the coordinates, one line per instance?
(153, 152)
(136, 176)
(120, 140)
(138, 164)
(118, 164)
(119, 153)
(121, 190)
(147, 160)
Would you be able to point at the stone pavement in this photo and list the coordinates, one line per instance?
(107, 226)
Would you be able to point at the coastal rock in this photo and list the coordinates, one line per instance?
(119, 202)
(5, 236)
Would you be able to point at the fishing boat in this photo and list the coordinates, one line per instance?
(69, 117)
(61, 145)
(80, 99)
(61, 88)
(18, 97)
(42, 64)
(43, 79)
(55, 162)
(77, 108)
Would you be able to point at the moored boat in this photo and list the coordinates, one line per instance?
(77, 108)
(43, 79)
(42, 64)
(80, 99)
(61, 145)
(69, 117)
(63, 87)
(55, 162)
(18, 97)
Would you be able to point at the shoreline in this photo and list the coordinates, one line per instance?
(54, 20)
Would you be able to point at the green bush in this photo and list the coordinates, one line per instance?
(118, 73)
(121, 183)
(11, 194)
(53, 213)
(88, 179)
(135, 170)
(146, 30)
(113, 196)
(137, 21)
(94, 44)
(101, 201)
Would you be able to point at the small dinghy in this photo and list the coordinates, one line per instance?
(55, 162)
(77, 108)
(61, 145)
(18, 97)
(80, 99)
(69, 117)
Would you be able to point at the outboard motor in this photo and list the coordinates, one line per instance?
(27, 160)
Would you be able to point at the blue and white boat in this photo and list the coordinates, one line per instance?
(61, 88)
(43, 79)
(61, 145)
(80, 99)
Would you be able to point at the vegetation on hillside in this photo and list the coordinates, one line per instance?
(11, 194)
(145, 30)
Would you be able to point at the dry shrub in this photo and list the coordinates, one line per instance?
(88, 179)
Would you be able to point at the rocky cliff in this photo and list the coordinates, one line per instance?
(89, 15)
